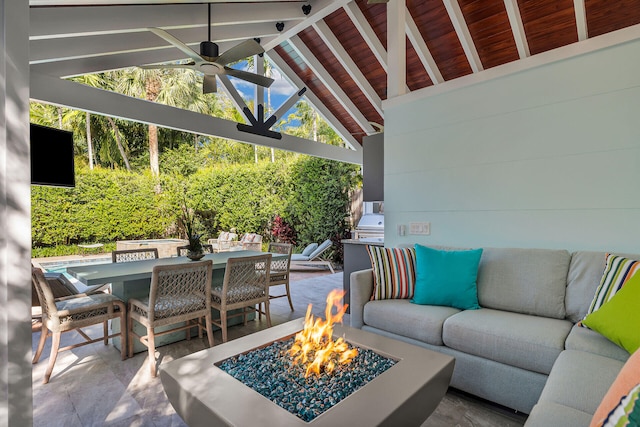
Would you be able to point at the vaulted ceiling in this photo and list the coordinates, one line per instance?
(338, 51)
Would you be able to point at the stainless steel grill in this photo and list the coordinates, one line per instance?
(370, 225)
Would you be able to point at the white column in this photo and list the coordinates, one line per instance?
(15, 220)
(396, 48)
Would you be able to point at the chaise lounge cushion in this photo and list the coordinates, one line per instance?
(308, 250)
(523, 341)
(419, 322)
(529, 281)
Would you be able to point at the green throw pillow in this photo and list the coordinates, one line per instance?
(618, 318)
(447, 278)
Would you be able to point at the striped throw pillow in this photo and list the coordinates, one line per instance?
(617, 272)
(627, 413)
(394, 272)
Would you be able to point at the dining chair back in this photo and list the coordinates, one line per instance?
(280, 269)
(129, 255)
(72, 313)
(245, 287)
(179, 294)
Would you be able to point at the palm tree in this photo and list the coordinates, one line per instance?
(178, 88)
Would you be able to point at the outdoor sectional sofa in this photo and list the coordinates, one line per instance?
(523, 348)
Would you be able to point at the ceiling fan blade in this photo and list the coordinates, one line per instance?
(240, 51)
(176, 43)
(188, 65)
(209, 84)
(250, 77)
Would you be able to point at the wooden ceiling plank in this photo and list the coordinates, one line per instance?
(345, 60)
(369, 36)
(396, 48)
(328, 81)
(422, 50)
(315, 102)
(581, 19)
(319, 9)
(517, 28)
(47, 22)
(81, 97)
(460, 26)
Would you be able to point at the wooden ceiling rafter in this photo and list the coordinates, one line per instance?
(345, 60)
(517, 28)
(581, 19)
(460, 26)
(329, 82)
(422, 50)
(374, 43)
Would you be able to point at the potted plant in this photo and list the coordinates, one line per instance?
(188, 220)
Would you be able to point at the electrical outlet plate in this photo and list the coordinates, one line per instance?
(420, 228)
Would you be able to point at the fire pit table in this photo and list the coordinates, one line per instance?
(404, 395)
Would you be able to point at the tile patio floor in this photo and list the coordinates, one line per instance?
(91, 386)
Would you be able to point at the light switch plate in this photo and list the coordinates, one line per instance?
(421, 228)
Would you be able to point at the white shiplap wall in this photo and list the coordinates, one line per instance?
(547, 157)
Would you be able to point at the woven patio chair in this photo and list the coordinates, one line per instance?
(245, 286)
(179, 293)
(183, 250)
(224, 242)
(72, 313)
(129, 255)
(251, 242)
(280, 269)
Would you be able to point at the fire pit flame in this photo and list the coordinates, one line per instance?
(314, 345)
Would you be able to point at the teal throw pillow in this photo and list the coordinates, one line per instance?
(447, 278)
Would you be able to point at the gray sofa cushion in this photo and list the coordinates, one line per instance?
(524, 341)
(420, 322)
(550, 414)
(583, 278)
(580, 380)
(529, 281)
(584, 339)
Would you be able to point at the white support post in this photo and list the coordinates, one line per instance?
(16, 401)
(396, 48)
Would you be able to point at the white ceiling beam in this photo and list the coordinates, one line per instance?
(101, 63)
(396, 48)
(459, 24)
(74, 95)
(44, 50)
(315, 102)
(233, 94)
(581, 19)
(87, 20)
(517, 28)
(319, 10)
(367, 33)
(422, 50)
(349, 65)
(329, 82)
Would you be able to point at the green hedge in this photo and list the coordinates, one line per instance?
(107, 205)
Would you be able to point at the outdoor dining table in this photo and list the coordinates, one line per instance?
(133, 280)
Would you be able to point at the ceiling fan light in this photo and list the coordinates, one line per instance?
(208, 48)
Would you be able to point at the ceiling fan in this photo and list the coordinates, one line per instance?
(210, 63)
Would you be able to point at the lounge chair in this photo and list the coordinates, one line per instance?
(224, 242)
(314, 257)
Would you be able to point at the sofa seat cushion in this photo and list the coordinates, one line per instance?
(419, 322)
(584, 339)
(549, 414)
(520, 340)
(580, 380)
(528, 281)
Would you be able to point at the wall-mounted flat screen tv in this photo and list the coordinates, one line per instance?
(51, 157)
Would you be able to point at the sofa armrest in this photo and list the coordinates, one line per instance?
(361, 290)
